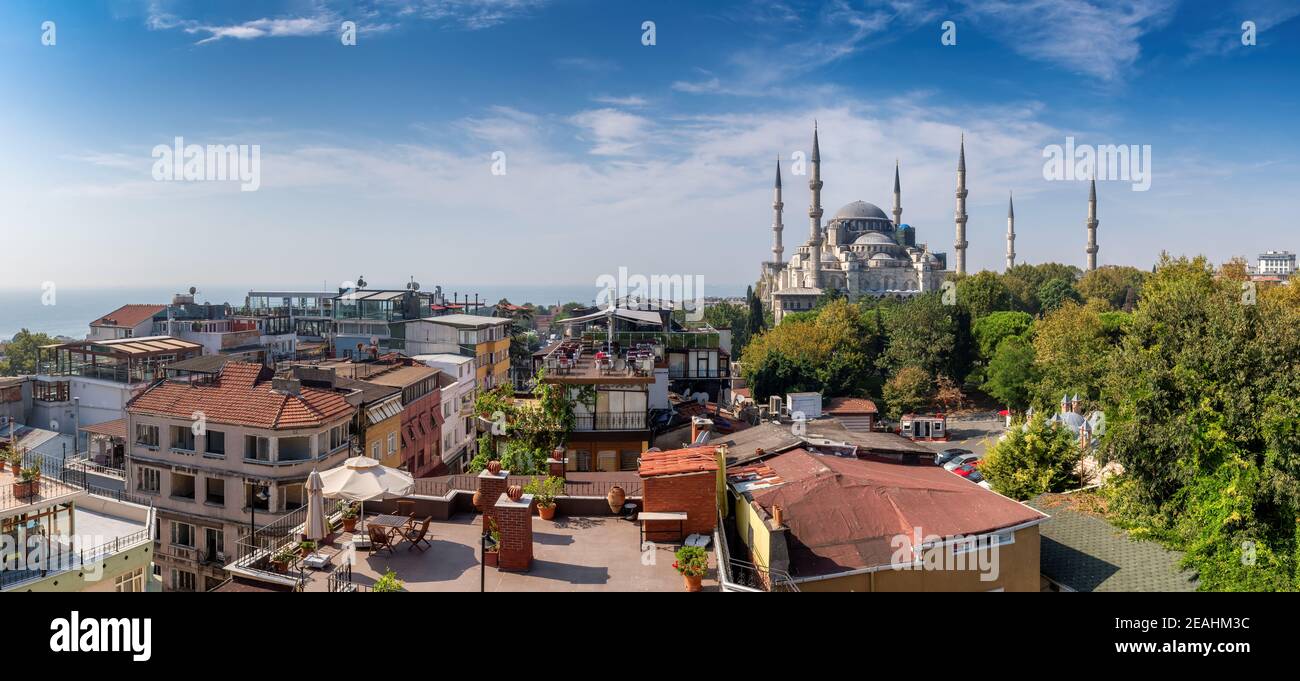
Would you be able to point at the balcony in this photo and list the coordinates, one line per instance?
(624, 420)
(689, 372)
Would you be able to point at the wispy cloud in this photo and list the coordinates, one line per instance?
(630, 101)
(1097, 38)
(610, 131)
(1224, 37)
(371, 16)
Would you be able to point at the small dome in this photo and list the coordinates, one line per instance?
(873, 239)
(883, 256)
(859, 210)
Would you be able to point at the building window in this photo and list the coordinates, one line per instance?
(338, 437)
(293, 496)
(392, 443)
(148, 480)
(374, 450)
(182, 534)
(130, 582)
(146, 435)
(182, 486)
(182, 438)
(216, 442)
(182, 580)
(257, 448)
(215, 491)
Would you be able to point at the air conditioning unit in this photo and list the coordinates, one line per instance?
(774, 406)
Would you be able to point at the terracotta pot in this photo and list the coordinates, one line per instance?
(22, 490)
(515, 492)
(304, 552)
(279, 567)
(546, 512)
(490, 558)
(478, 500)
(694, 583)
(349, 524)
(494, 466)
(616, 497)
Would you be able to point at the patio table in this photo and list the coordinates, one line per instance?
(678, 516)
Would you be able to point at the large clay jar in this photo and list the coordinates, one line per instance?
(616, 497)
(515, 492)
(494, 466)
(478, 500)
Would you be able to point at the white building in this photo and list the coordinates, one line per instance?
(458, 395)
(1276, 264)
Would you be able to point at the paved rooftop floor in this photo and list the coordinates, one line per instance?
(569, 554)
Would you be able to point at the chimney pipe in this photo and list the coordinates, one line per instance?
(778, 517)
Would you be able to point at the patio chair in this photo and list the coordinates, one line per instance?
(406, 508)
(418, 534)
(380, 539)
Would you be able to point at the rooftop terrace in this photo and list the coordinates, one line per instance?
(570, 554)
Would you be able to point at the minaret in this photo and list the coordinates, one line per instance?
(1011, 232)
(898, 199)
(1092, 223)
(960, 245)
(815, 210)
(777, 206)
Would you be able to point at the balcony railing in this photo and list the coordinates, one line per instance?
(688, 372)
(618, 420)
(61, 557)
(442, 486)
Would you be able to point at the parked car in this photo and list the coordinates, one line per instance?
(978, 478)
(966, 470)
(959, 460)
(949, 454)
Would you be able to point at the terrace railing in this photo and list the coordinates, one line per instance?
(618, 420)
(62, 557)
(441, 487)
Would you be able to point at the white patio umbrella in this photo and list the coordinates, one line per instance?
(363, 479)
(315, 529)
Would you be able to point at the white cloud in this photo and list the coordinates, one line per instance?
(630, 101)
(1099, 38)
(611, 132)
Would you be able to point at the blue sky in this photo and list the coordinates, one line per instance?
(376, 158)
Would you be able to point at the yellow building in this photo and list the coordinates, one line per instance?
(834, 523)
(486, 339)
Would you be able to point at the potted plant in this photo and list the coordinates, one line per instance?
(389, 583)
(27, 482)
(305, 547)
(544, 493)
(348, 512)
(692, 562)
(492, 551)
(281, 561)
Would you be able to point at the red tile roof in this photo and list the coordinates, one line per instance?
(678, 461)
(129, 315)
(844, 514)
(242, 395)
(851, 405)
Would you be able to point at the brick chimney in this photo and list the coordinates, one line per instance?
(699, 426)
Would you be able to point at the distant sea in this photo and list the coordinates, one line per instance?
(73, 309)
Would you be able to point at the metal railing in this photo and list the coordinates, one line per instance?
(441, 487)
(688, 372)
(60, 557)
(619, 420)
(340, 581)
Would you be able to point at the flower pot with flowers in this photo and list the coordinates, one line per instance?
(692, 562)
(348, 513)
(493, 548)
(545, 493)
(281, 561)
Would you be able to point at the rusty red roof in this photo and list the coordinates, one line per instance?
(678, 461)
(844, 514)
(129, 315)
(850, 405)
(242, 395)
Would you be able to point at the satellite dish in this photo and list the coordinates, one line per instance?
(415, 286)
(361, 282)
(374, 340)
(193, 290)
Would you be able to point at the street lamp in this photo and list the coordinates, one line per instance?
(258, 495)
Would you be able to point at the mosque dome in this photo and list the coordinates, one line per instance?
(859, 210)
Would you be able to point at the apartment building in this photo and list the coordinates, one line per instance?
(88, 382)
(57, 537)
(128, 321)
(459, 385)
(221, 452)
(486, 339)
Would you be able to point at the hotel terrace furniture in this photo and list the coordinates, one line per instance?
(380, 537)
(419, 534)
(672, 516)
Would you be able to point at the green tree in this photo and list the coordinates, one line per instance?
(1010, 375)
(991, 329)
(1055, 292)
(1032, 459)
(757, 322)
(1024, 282)
(1070, 353)
(983, 293)
(909, 389)
(20, 353)
(1119, 286)
(830, 351)
(921, 333)
(1203, 402)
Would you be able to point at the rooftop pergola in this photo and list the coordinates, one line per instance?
(125, 360)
